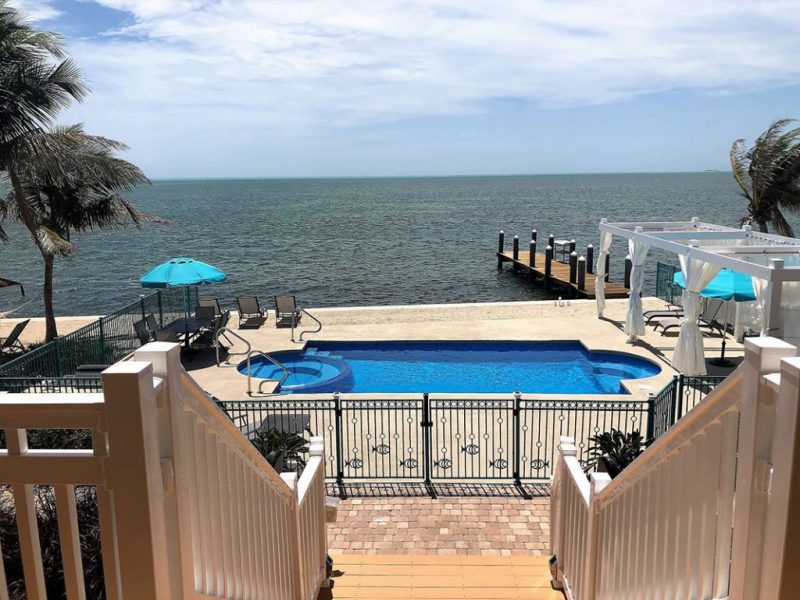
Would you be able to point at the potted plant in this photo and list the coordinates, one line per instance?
(282, 449)
(614, 450)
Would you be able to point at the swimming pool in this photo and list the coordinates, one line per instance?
(452, 367)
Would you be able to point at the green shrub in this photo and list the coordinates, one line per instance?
(614, 450)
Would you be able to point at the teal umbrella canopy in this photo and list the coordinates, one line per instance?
(182, 271)
(727, 285)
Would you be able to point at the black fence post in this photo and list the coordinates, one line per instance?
(651, 416)
(141, 306)
(57, 349)
(427, 451)
(517, 453)
(337, 407)
(677, 401)
(160, 309)
(103, 355)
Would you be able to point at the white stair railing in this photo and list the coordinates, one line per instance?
(187, 507)
(704, 512)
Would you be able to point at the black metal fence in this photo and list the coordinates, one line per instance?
(666, 289)
(50, 385)
(435, 440)
(104, 341)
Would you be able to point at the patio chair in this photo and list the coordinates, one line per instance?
(212, 302)
(166, 335)
(142, 331)
(152, 325)
(706, 318)
(12, 341)
(207, 338)
(205, 312)
(251, 315)
(287, 311)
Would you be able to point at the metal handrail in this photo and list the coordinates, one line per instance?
(248, 357)
(274, 362)
(302, 333)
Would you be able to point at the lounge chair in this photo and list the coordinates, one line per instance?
(207, 338)
(211, 302)
(287, 312)
(142, 331)
(664, 312)
(706, 318)
(251, 315)
(166, 335)
(12, 341)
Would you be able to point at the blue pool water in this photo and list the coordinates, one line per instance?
(453, 367)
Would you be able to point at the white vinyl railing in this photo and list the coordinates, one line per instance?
(187, 507)
(697, 515)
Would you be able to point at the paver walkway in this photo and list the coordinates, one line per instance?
(488, 526)
(373, 577)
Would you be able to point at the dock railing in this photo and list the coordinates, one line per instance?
(187, 507)
(705, 511)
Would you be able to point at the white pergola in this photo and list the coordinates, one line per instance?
(703, 250)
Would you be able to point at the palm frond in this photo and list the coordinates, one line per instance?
(53, 243)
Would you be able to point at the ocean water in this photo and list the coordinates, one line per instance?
(351, 242)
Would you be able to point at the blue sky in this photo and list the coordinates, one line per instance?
(216, 88)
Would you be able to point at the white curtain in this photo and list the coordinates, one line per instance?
(790, 311)
(634, 323)
(689, 357)
(760, 289)
(600, 280)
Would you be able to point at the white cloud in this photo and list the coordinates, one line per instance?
(36, 10)
(288, 68)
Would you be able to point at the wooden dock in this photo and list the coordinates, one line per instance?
(559, 278)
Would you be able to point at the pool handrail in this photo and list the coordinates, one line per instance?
(248, 354)
(302, 333)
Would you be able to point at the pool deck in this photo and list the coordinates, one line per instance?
(532, 321)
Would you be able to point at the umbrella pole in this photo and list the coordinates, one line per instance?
(722, 361)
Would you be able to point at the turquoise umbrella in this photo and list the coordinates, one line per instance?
(727, 285)
(182, 271)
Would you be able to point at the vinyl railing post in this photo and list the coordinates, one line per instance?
(597, 483)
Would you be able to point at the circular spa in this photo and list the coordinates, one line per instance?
(452, 367)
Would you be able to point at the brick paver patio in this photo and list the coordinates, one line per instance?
(486, 526)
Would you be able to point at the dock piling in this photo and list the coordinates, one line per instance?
(551, 240)
(534, 235)
(515, 252)
(572, 246)
(582, 265)
(590, 259)
(501, 247)
(628, 267)
(573, 267)
(532, 253)
(548, 264)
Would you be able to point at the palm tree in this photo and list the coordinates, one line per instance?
(75, 186)
(769, 176)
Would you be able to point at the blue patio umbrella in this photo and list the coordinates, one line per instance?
(727, 285)
(181, 271)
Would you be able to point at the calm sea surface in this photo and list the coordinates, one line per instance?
(349, 242)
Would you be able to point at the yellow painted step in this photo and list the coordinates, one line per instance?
(425, 577)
